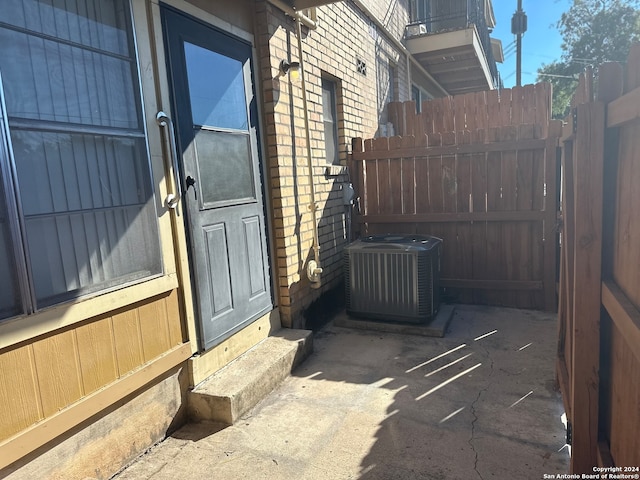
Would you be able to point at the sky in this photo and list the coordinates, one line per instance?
(541, 42)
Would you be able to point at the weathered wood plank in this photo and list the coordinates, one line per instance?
(624, 399)
(436, 199)
(493, 109)
(445, 217)
(496, 267)
(529, 104)
(412, 118)
(524, 242)
(479, 206)
(505, 107)
(438, 115)
(459, 114)
(394, 110)
(564, 382)
(543, 92)
(408, 178)
(626, 255)
(464, 231)
(510, 233)
(448, 123)
(633, 68)
(357, 174)
(385, 194)
(531, 144)
(624, 314)
(422, 176)
(587, 274)
(517, 105)
(551, 207)
(610, 83)
(427, 116)
(492, 284)
(624, 110)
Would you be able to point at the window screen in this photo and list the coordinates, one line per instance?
(78, 148)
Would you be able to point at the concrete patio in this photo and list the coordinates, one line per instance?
(479, 403)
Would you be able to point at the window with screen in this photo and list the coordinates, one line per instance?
(77, 212)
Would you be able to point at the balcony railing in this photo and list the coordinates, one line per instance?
(460, 18)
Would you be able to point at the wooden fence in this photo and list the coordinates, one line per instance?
(478, 171)
(599, 321)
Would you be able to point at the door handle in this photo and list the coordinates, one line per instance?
(164, 121)
(191, 182)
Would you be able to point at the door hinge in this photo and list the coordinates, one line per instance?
(569, 433)
(574, 116)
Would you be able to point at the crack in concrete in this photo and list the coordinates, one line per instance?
(511, 374)
(475, 417)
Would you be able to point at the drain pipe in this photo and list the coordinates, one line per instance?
(313, 267)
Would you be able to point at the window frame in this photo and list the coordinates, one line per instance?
(333, 91)
(31, 306)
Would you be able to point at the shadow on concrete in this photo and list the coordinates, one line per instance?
(480, 403)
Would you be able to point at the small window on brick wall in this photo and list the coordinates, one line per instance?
(330, 120)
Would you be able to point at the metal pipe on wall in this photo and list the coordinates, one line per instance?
(308, 22)
(313, 269)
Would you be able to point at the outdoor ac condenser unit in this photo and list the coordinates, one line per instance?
(415, 30)
(393, 277)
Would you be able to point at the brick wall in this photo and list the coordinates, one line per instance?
(344, 37)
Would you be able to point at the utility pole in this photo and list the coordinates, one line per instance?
(518, 27)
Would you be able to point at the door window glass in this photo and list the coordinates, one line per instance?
(224, 165)
(216, 89)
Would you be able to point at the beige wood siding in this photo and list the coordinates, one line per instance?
(41, 377)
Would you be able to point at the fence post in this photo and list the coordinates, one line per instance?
(554, 129)
(357, 178)
(588, 169)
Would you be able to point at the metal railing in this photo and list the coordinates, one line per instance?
(459, 18)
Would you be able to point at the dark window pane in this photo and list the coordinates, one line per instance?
(216, 88)
(59, 172)
(224, 164)
(330, 120)
(78, 253)
(101, 24)
(46, 80)
(89, 214)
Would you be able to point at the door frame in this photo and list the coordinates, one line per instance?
(213, 22)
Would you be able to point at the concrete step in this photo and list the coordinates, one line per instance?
(240, 385)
